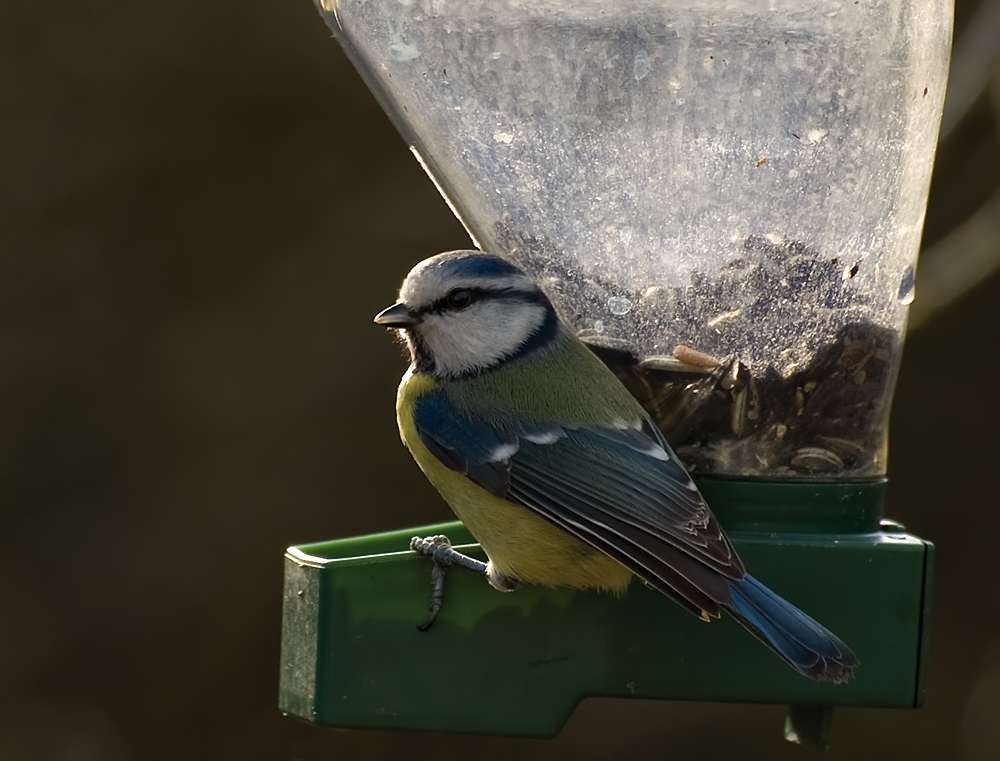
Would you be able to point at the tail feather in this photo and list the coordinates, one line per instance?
(807, 646)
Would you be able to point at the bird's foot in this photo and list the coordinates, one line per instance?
(439, 549)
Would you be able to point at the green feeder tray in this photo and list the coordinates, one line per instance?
(519, 663)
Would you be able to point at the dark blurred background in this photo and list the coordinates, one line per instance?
(201, 208)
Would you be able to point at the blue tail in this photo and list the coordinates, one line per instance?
(806, 645)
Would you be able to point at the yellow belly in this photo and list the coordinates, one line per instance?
(520, 544)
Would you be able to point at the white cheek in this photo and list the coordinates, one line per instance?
(480, 336)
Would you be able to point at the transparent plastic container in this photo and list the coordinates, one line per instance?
(724, 197)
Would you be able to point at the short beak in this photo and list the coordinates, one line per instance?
(396, 316)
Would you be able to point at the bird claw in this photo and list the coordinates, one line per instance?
(438, 548)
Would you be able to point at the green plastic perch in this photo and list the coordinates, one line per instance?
(519, 663)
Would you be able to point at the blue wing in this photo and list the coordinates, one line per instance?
(465, 445)
(619, 489)
(623, 491)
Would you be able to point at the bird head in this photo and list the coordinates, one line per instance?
(465, 311)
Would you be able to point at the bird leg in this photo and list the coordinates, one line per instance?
(439, 549)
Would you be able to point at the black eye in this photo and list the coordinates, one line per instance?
(459, 298)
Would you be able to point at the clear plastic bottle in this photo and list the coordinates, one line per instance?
(724, 197)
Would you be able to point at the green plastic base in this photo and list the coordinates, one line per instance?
(519, 663)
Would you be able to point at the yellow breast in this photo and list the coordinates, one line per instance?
(521, 544)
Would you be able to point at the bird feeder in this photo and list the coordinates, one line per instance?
(725, 199)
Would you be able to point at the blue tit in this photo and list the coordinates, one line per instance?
(553, 466)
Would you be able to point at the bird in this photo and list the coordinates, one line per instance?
(555, 469)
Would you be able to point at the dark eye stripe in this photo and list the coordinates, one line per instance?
(487, 294)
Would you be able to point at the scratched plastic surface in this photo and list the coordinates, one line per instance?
(352, 656)
(744, 178)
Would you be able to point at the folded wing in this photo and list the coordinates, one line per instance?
(617, 487)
